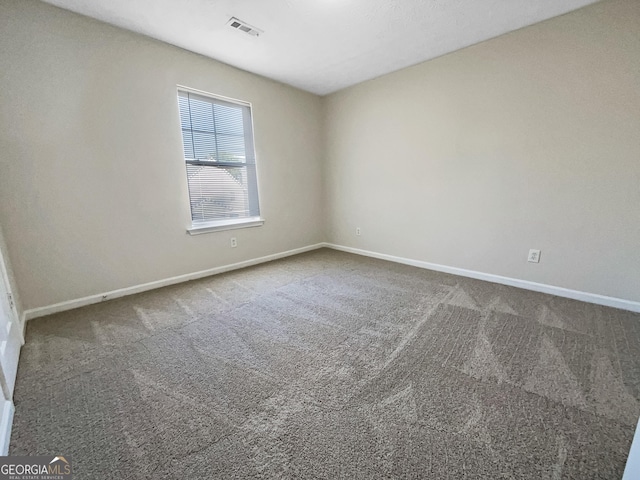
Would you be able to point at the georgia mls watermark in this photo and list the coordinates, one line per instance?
(35, 468)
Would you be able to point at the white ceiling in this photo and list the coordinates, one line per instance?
(323, 45)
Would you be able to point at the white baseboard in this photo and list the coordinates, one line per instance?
(100, 297)
(6, 421)
(632, 468)
(513, 282)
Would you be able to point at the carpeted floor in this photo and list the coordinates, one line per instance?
(330, 365)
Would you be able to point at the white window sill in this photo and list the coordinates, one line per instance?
(209, 227)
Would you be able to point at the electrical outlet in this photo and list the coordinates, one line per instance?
(234, 242)
(534, 256)
(358, 231)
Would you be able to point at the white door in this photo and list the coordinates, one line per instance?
(10, 335)
(10, 343)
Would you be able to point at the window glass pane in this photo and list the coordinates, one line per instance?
(204, 145)
(201, 115)
(218, 192)
(231, 148)
(185, 119)
(187, 144)
(229, 120)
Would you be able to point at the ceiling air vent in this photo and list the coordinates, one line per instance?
(244, 27)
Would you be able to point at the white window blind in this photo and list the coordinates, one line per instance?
(217, 140)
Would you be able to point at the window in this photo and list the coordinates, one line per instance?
(217, 140)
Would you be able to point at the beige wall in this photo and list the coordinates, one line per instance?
(529, 140)
(526, 141)
(93, 193)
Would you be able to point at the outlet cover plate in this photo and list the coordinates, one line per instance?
(534, 256)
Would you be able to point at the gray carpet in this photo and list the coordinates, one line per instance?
(330, 365)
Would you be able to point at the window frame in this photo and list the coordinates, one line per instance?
(231, 223)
